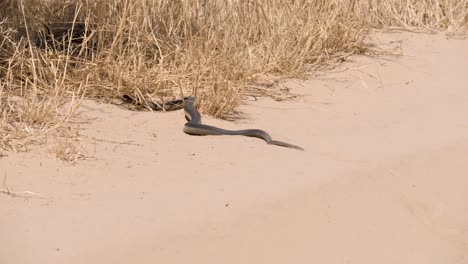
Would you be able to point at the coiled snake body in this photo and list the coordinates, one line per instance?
(194, 125)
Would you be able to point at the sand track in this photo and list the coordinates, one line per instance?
(383, 178)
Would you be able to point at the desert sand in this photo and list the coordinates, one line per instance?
(383, 178)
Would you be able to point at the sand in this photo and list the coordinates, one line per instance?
(383, 178)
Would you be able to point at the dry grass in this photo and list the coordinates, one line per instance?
(415, 15)
(54, 51)
(68, 150)
(23, 194)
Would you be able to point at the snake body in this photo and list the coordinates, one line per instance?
(195, 127)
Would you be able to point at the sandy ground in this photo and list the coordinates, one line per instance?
(383, 179)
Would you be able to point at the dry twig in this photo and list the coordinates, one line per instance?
(24, 194)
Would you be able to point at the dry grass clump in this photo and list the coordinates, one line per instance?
(33, 89)
(428, 15)
(55, 50)
(68, 150)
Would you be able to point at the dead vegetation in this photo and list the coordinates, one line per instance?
(5, 189)
(54, 51)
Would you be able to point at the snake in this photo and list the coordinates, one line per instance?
(195, 127)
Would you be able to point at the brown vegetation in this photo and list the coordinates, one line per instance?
(55, 51)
